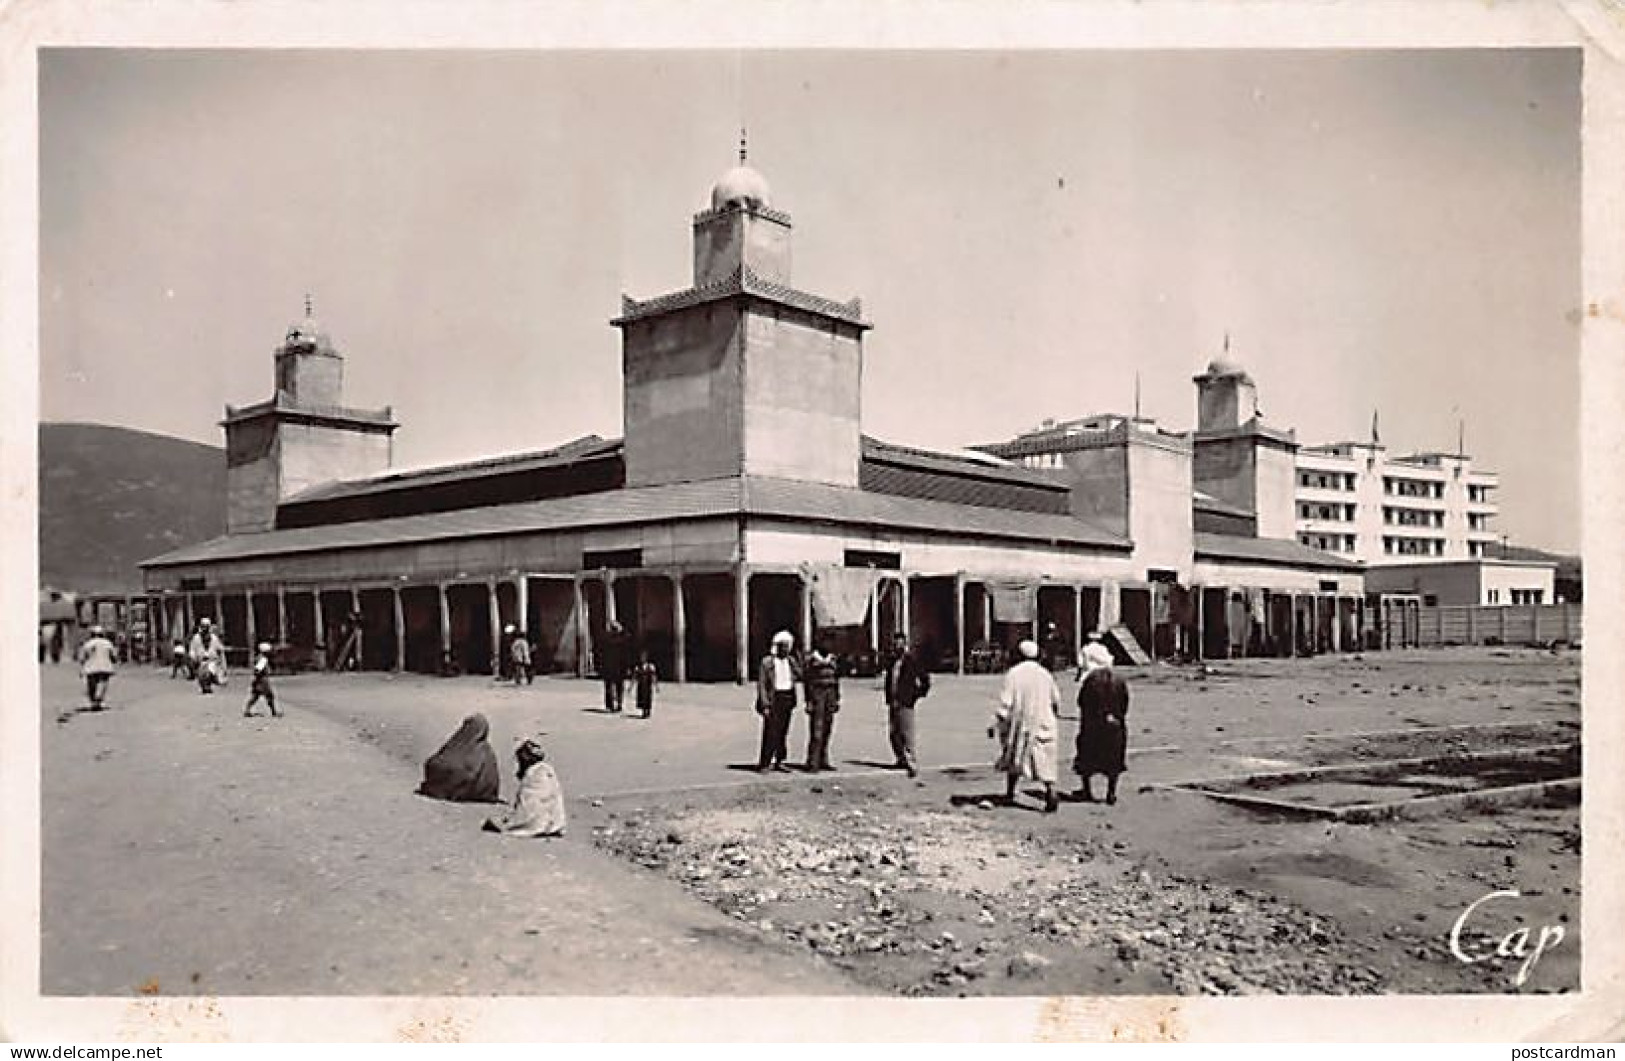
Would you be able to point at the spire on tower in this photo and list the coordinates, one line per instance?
(744, 150)
(309, 305)
(1376, 437)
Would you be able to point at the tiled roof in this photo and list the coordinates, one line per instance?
(1278, 552)
(585, 448)
(743, 281)
(680, 501)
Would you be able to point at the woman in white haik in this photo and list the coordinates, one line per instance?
(538, 807)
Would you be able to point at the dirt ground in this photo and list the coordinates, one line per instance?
(188, 851)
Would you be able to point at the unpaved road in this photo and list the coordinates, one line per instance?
(189, 851)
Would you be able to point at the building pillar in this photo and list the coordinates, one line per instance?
(361, 640)
(1111, 604)
(904, 619)
(987, 615)
(874, 616)
(521, 599)
(1198, 596)
(959, 618)
(321, 626)
(1032, 592)
(610, 614)
(1077, 624)
(583, 635)
(282, 614)
(400, 627)
(1292, 628)
(806, 613)
(219, 617)
(248, 612)
(445, 619)
(495, 612)
(742, 623)
(679, 630)
(1337, 624)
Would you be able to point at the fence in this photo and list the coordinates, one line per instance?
(1522, 624)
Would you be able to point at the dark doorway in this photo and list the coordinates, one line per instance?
(1135, 606)
(377, 623)
(775, 604)
(551, 624)
(473, 642)
(932, 630)
(708, 612)
(420, 607)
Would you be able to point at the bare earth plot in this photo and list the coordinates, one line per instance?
(188, 851)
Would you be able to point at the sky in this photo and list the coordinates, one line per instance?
(1030, 232)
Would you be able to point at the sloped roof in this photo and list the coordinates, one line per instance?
(710, 498)
(584, 448)
(1209, 503)
(1279, 552)
(982, 466)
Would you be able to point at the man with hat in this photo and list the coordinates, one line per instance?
(1025, 723)
(96, 665)
(1093, 656)
(776, 702)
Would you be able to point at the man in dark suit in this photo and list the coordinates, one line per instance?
(614, 657)
(906, 683)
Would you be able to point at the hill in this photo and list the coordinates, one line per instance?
(111, 497)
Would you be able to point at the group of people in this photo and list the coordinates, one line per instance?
(906, 683)
(1027, 725)
(464, 770)
(202, 658)
(1026, 721)
(615, 669)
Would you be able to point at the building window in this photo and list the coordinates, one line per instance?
(1494, 596)
(871, 558)
(593, 560)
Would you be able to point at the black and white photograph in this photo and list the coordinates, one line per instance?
(817, 525)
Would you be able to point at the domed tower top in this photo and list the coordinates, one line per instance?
(742, 185)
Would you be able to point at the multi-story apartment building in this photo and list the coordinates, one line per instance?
(1352, 498)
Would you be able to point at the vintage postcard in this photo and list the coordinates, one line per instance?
(923, 522)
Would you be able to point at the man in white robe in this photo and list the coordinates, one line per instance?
(1026, 726)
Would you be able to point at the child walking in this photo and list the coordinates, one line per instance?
(646, 677)
(261, 685)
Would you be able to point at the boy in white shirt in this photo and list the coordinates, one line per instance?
(261, 685)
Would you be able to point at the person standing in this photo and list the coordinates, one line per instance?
(612, 665)
(1102, 746)
(776, 702)
(519, 654)
(823, 701)
(645, 679)
(208, 655)
(97, 662)
(178, 663)
(906, 684)
(56, 643)
(261, 684)
(1025, 723)
(44, 641)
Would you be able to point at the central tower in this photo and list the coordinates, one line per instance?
(741, 373)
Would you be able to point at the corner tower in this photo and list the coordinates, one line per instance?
(741, 373)
(1235, 458)
(301, 436)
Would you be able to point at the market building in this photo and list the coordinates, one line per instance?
(744, 498)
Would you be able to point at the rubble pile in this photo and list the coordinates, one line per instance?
(928, 902)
